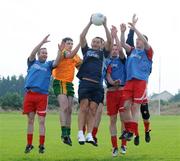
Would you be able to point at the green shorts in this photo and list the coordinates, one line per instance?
(61, 87)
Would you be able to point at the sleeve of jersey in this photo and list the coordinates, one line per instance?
(130, 38)
(78, 61)
(30, 63)
(51, 64)
(84, 49)
(149, 53)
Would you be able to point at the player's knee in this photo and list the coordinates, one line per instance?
(93, 111)
(145, 115)
(100, 111)
(145, 111)
(84, 109)
(113, 120)
(30, 121)
(84, 104)
(69, 111)
(113, 123)
(41, 122)
(64, 108)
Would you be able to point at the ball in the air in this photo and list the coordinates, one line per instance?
(97, 19)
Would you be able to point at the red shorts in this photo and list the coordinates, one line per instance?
(115, 102)
(135, 90)
(35, 102)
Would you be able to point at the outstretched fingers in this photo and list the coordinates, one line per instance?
(61, 46)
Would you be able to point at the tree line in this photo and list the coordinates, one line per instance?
(12, 93)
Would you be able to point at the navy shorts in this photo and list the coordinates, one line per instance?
(91, 91)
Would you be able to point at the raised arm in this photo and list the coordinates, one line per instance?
(73, 53)
(130, 38)
(59, 54)
(117, 41)
(84, 33)
(108, 44)
(140, 36)
(124, 44)
(36, 49)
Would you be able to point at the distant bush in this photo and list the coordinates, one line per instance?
(11, 101)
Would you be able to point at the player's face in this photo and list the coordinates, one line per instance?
(96, 44)
(114, 51)
(42, 56)
(68, 45)
(139, 43)
(102, 44)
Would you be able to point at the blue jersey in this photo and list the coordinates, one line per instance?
(117, 67)
(38, 76)
(92, 65)
(138, 65)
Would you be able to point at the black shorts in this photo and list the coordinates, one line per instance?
(91, 91)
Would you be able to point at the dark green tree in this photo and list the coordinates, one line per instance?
(11, 100)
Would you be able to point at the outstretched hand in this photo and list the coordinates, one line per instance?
(134, 19)
(123, 27)
(61, 46)
(105, 22)
(116, 83)
(114, 31)
(131, 26)
(45, 40)
(90, 21)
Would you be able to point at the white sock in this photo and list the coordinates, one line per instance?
(89, 135)
(80, 132)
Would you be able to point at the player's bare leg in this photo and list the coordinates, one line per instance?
(64, 105)
(90, 122)
(97, 121)
(42, 130)
(82, 119)
(68, 119)
(146, 119)
(135, 114)
(123, 141)
(128, 119)
(30, 130)
(113, 132)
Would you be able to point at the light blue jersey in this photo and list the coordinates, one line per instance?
(138, 65)
(38, 76)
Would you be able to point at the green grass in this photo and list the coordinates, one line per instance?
(165, 144)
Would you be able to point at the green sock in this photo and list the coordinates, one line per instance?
(63, 131)
(68, 131)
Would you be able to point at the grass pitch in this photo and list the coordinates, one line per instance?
(165, 143)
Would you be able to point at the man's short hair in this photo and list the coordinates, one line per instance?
(67, 39)
(41, 49)
(102, 40)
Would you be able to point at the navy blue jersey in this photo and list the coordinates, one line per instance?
(92, 65)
